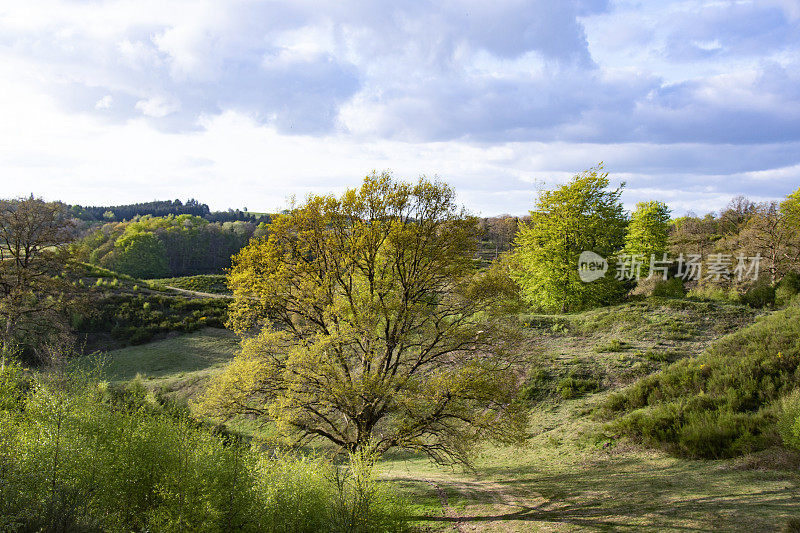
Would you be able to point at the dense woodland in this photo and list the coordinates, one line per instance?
(161, 208)
(156, 247)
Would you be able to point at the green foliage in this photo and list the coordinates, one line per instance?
(191, 245)
(579, 216)
(612, 346)
(572, 387)
(77, 455)
(362, 322)
(648, 232)
(140, 255)
(671, 288)
(789, 420)
(718, 404)
(210, 283)
(760, 294)
(136, 318)
(714, 293)
(787, 289)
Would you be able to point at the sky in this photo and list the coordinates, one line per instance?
(242, 103)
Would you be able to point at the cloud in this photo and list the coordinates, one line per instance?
(693, 101)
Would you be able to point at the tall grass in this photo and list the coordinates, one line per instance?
(78, 455)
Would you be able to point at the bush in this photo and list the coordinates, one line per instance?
(761, 294)
(539, 385)
(572, 387)
(787, 289)
(789, 420)
(612, 346)
(714, 293)
(719, 404)
(671, 288)
(77, 455)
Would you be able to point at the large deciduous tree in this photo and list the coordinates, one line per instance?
(32, 256)
(360, 327)
(582, 215)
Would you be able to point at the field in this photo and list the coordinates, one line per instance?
(571, 475)
(174, 363)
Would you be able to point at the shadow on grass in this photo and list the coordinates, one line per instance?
(627, 495)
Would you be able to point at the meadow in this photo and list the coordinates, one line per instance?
(575, 472)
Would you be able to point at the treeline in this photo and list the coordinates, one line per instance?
(161, 208)
(749, 251)
(154, 247)
(497, 235)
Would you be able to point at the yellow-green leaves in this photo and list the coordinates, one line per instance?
(359, 326)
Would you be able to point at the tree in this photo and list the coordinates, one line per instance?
(774, 232)
(140, 255)
(694, 235)
(33, 235)
(359, 328)
(579, 216)
(648, 232)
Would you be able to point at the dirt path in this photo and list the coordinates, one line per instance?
(448, 511)
(197, 294)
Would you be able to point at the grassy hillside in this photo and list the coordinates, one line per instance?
(118, 310)
(572, 475)
(722, 403)
(182, 363)
(208, 283)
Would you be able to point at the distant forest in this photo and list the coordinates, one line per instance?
(161, 208)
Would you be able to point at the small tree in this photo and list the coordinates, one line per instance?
(648, 232)
(33, 235)
(359, 328)
(579, 216)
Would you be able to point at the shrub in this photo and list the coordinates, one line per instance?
(77, 455)
(720, 403)
(787, 289)
(572, 387)
(671, 288)
(612, 346)
(539, 385)
(789, 420)
(761, 294)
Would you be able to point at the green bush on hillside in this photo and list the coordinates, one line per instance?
(211, 283)
(671, 288)
(761, 294)
(722, 403)
(77, 455)
(787, 289)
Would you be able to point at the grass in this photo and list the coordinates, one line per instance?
(207, 283)
(571, 476)
(566, 481)
(182, 360)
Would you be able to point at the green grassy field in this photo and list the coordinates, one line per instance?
(570, 476)
(179, 363)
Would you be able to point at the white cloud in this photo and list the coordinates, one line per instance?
(105, 102)
(246, 102)
(158, 106)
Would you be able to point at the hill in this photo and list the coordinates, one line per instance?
(573, 474)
